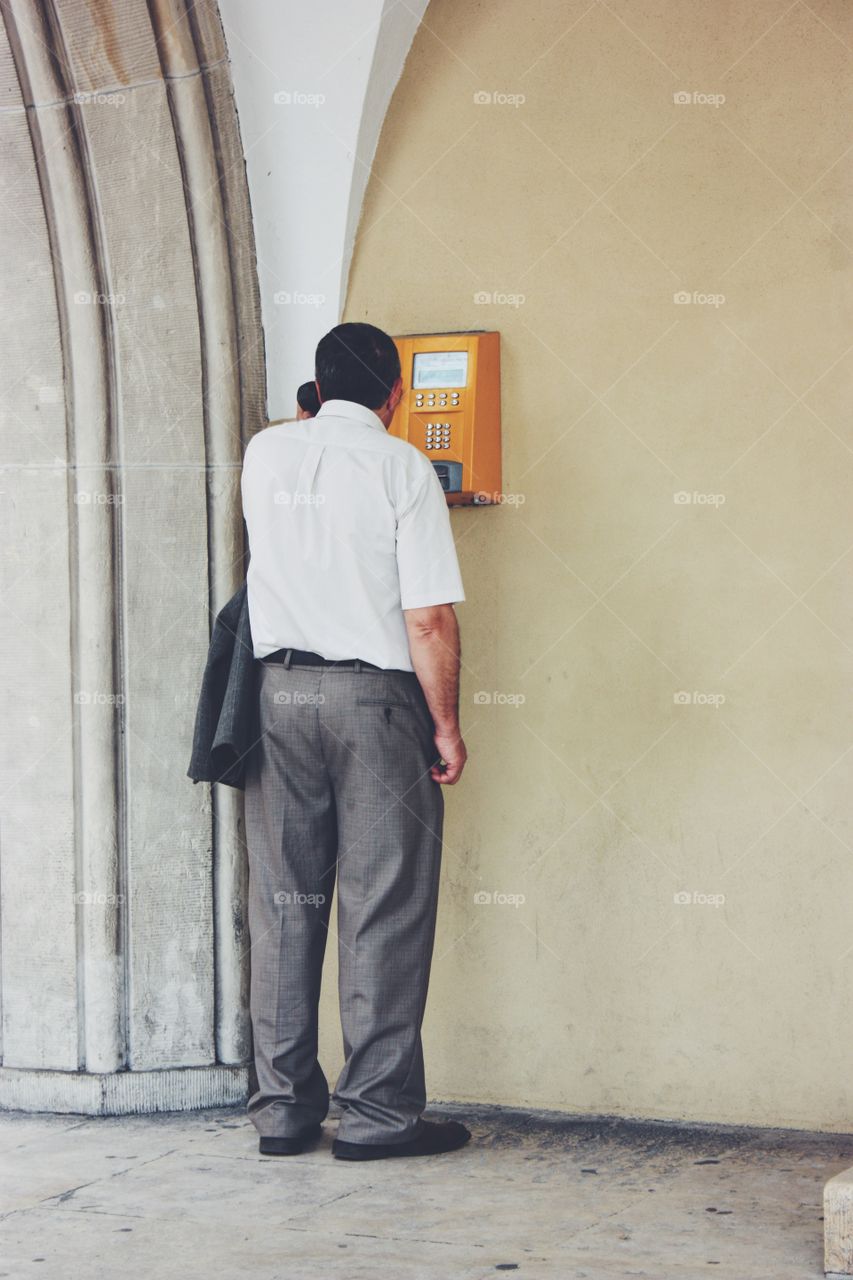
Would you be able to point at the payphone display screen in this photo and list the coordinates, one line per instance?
(440, 369)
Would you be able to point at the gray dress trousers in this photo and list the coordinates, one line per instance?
(339, 788)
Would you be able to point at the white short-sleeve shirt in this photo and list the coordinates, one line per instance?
(348, 526)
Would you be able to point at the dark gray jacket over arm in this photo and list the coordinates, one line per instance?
(226, 722)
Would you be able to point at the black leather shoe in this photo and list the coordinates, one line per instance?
(290, 1146)
(431, 1139)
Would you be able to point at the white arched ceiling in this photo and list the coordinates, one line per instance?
(312, 85)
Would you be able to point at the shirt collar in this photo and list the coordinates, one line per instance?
(349, 409)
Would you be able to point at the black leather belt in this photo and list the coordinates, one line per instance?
(304, 658)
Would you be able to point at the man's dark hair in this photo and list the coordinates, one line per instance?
(357, 362)
(307, 399)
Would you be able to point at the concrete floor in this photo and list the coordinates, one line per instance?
(187, 1196)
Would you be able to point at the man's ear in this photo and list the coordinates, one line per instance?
(317, 385)
(396, 394)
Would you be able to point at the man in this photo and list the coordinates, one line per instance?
(352, 580)
(307, 401)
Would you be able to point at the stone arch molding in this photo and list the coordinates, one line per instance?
(133, 373)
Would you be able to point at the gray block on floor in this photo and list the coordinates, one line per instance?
(838, 1224)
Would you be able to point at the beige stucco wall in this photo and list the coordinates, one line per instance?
(600, 597)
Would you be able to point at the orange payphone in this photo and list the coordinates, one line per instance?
(451, 410)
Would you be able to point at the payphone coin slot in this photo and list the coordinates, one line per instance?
(449, 476)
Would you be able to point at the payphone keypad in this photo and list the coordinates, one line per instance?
(438, 435)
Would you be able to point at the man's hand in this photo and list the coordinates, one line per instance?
(434, 645)
(453, 756)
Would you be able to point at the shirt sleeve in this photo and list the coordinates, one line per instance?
(426, 554)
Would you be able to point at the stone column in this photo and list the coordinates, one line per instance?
(132, 377)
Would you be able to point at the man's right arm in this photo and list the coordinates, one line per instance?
(434, 647)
